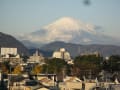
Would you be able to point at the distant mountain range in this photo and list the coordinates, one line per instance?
(77, 49)
(47, 49)
(68, 29)
(75, 36)
(9, 41)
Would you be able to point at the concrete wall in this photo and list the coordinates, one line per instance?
(70, 86)
(89, 86)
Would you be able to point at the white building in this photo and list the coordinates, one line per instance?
(6, 51)
(36, 58)
(10, 54)
(62, 54)
(97, 54)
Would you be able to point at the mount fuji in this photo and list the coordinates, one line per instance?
(68, 29)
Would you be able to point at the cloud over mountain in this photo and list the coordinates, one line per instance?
(68, 29)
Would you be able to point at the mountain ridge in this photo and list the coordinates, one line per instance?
(77, 49)
(7, 40)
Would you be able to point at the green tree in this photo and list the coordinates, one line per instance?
(84, 65)
(5, 67)
(112, 64)
(25, 58)
(54, 65)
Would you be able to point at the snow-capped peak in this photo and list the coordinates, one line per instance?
(67, 29)
(70, 24)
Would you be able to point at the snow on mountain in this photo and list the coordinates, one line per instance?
(68, 29)
(70, 25)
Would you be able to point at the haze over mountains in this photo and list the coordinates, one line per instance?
(67, 29)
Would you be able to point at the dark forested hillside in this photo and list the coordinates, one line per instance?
(9, 41)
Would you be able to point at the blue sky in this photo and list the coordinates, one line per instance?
(24, 16)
